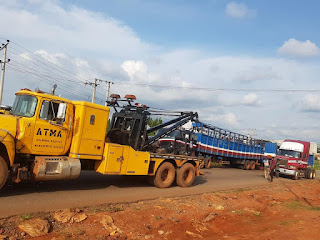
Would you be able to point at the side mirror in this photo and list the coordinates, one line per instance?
(62, 111)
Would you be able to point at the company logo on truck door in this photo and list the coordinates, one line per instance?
(49, 132)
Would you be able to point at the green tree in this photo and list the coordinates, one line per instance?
(153, 122)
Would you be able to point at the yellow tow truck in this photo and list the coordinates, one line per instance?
(46, 137)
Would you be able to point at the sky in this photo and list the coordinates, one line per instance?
(242, 65)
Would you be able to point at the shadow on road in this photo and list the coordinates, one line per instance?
(88, 180)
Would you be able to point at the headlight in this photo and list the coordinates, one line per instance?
(292, 167)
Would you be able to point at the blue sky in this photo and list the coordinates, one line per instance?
(248, 45)
(204, 23)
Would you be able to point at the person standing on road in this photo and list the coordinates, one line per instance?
(266, 167)
(274, 169)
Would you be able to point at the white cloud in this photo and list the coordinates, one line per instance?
(75, 28)
(235, 99)
(296, 48)
(310, 102)
(227, 120)
(239, 10)
(251, 99)
(134, 68)
(53, 58)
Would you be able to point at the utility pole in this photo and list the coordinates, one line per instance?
(108, 92)
(94, 91)
(4, 61)
(94, 84)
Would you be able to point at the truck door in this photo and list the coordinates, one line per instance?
(52, 132)
(115, 159)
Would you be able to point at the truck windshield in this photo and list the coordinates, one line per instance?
(173, 134)
(289, 153)
(24, 105)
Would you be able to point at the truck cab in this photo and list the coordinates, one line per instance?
(180, 141)
(37, 124)
(293, 157)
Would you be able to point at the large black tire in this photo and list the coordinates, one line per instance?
(165, 175)
(252, 165)
(185, 175)
(246, 165)
(296, 175)
(313, 174)
(207, 162)
(202, 161)
(3, 172)
(308, 173)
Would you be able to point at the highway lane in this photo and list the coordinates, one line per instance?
(93, 189)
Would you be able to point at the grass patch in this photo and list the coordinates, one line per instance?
(315, 209)
(287, 222)
(157, 217)
(258, 214)
(240, 211)
(26, 216)
(114, 209)
(297, 205)
(316, 165)
(96, 210)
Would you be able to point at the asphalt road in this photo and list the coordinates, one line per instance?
(93, 189)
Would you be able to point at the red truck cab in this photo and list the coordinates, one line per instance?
(293, 157)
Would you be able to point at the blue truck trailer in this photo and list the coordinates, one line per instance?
(220, 145)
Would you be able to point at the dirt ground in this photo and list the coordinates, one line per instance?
(281, 211)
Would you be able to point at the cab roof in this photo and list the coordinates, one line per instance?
(41, 94)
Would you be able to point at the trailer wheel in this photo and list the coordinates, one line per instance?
(207, 162)
(308, 173)
(313, 174)
(165, 175)
(246, 165)
(202, 165)
(252, 165)
(296, 175)
(3, 172)
(185, 175)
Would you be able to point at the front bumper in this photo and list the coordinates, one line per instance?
(287, 171)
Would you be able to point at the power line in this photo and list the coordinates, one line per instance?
(31, 71)
(216, 89)
(42, 67)
(50, 82)
(46, 79)
(54, 75)
(45, 62)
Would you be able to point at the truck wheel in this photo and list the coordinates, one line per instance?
(246, 165)
(185, 175)
(252, 165)
(308, 173)
(296, 175)
(165, 175)
(313, 174)
(207, 162)
(3, 172)
(202, 161)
